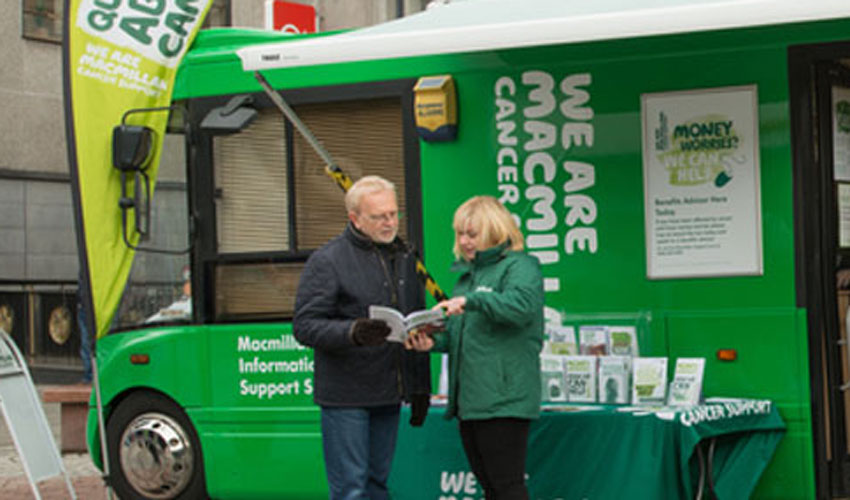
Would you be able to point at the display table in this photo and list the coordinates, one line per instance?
(602, 452)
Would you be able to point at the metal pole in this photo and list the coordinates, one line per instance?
(290, 114)
(331, 168)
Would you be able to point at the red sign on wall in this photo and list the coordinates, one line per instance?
(290, 17)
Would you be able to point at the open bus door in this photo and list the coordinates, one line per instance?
(833, 102)
(820, 114)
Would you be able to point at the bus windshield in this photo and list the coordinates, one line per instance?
(158, 290)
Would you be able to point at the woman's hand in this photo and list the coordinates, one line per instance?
(419, 341)
(453, 306)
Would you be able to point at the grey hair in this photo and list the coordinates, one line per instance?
(366, 185)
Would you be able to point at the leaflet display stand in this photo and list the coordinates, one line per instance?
(26, 420)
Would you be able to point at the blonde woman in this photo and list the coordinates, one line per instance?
(493, 337)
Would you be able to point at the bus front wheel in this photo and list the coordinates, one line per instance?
(154, 450)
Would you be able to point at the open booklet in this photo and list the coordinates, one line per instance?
(423, 321)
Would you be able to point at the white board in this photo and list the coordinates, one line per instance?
(26, 420)
(702, 196)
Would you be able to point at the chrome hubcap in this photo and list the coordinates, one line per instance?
(156, 456)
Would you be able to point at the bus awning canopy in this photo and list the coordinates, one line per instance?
(478, 25)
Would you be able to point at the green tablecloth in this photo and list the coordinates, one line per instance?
(604, 452)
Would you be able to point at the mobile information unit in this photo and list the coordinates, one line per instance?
(687, 163)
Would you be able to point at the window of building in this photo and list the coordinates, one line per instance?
(43, 19)
(219, 14)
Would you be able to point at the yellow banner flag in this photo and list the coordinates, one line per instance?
(119, 55)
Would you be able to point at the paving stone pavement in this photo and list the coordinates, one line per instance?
(85, 477)
(86, 487)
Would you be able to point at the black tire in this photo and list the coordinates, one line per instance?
(147, 439)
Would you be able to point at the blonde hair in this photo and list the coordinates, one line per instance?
(490, 219)
(365, 185)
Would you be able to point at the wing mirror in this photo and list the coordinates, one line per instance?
(132, 146)
(132, 149)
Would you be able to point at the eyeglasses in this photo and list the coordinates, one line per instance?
(385, 217)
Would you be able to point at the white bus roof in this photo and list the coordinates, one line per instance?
(478, 25)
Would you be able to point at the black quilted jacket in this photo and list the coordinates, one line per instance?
(339, 283)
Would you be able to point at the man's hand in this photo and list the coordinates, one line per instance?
(419, 404)
(419, 341)
(366, 331)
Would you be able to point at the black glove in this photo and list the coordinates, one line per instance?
(419, 404)
(369, 331)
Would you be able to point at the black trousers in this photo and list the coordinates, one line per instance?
(496, 450)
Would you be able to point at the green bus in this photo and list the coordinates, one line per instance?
(683, 163)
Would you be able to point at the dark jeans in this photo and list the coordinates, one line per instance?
(496, 450)
(358, 447)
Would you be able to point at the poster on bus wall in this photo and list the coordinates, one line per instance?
(117, 56)
(701, 183)
(841, 133)
(841, 159)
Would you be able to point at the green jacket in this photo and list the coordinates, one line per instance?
(494, 346)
